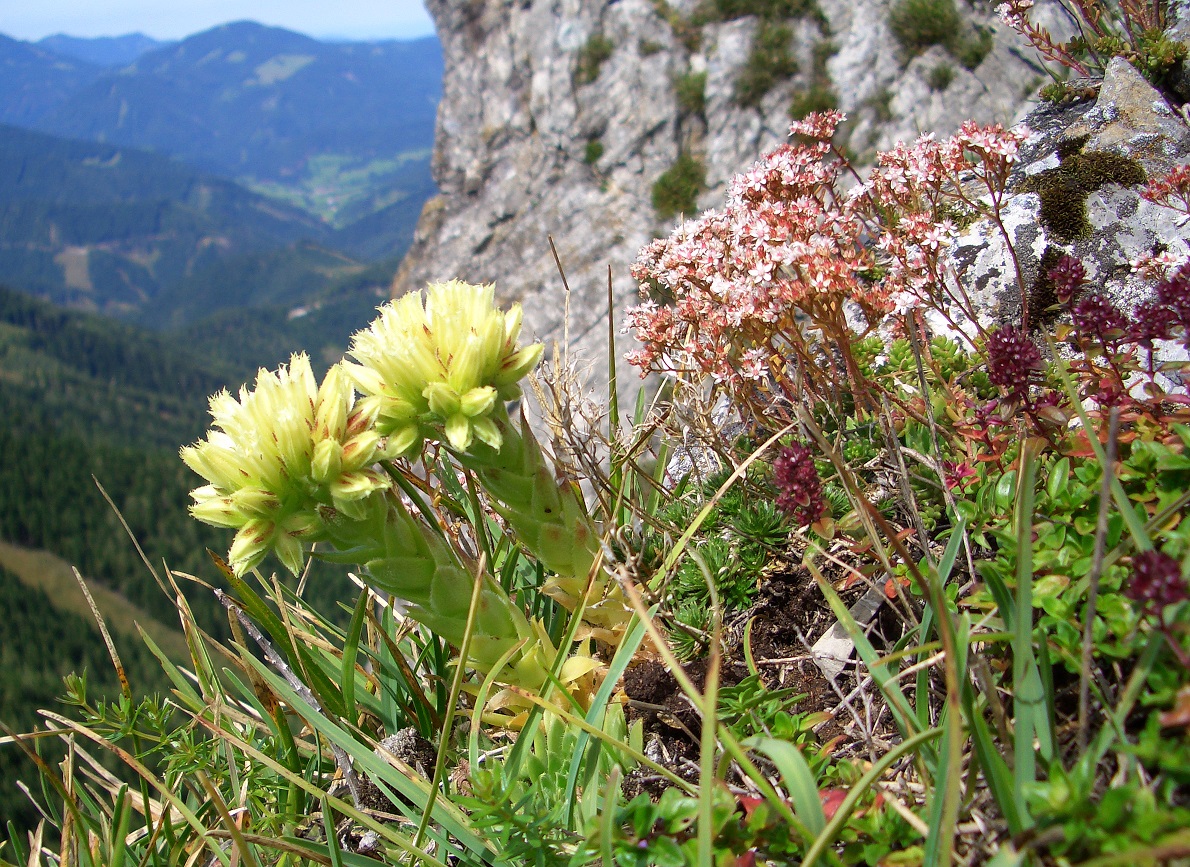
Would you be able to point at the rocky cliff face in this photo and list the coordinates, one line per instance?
(559, 116)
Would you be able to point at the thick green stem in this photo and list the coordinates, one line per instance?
(550, 519)
(404, 557)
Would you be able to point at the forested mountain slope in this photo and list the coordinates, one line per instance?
(37, 80)
(109, 229)
(85, 400)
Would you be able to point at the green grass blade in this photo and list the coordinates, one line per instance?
(332, 835)
(946, 794)
(995, 770)
(797, 778)
(351, 651)
(1028, 692)
(624, 655)
(382, 773)
(1135, 524)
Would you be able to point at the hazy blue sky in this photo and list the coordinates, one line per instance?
(173, 19)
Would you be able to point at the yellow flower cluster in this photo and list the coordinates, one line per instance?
(441, 362)
(280, 453)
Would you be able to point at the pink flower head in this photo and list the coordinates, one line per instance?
(1171, 189)
(820, 125)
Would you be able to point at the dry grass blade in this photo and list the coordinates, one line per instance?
(125, 687)
(274, 658)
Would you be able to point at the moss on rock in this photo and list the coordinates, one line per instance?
(1064, 189)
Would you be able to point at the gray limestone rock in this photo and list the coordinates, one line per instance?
(1130, 119)
(514, 124)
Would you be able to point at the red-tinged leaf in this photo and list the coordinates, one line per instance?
(831, 799)
(749, 804)
(829, 747)
(824, 527)
(748, 859)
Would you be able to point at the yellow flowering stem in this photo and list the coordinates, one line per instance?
(549, 517)
(404, 557)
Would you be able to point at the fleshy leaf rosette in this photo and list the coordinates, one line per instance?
(279, 456)
(441, 361)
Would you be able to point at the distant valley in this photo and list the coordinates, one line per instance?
(245, 167)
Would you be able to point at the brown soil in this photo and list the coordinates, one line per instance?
(789, 614)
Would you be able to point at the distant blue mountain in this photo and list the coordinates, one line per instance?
(245, 99)
(181, 183)
(102, 50)
(35, 81)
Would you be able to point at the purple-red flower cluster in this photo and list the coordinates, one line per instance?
(1068, 275)
(1013, 362)
(799, 489)
(1097, 317)
(1151, 322)
(1174, 294)
(1156, 582)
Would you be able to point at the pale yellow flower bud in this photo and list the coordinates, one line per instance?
(250, 544)
(254, 501)
(355, 486)
(289, 552)
(327, 462)
(360, 450)
(281, 456)
(442, 399)
(330, 417)
(210, 508)
(478, 401)
(436, 365)
(458, 432)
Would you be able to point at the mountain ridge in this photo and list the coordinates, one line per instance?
(105, 228)
(102, 50)
(37, 80)
(227, 100)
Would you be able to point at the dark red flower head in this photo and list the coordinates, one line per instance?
(798, 485)
(1013, 361)
(1098, 318)
(1174, 293)
(1156, 581)
(1067, 276)
(1151, 321)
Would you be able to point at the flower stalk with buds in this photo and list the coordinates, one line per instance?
(443, 367)
(291, 463)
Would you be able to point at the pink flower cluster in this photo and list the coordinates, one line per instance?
(913, 190)
(790, 253)
(784, 245)
(1171, 189)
